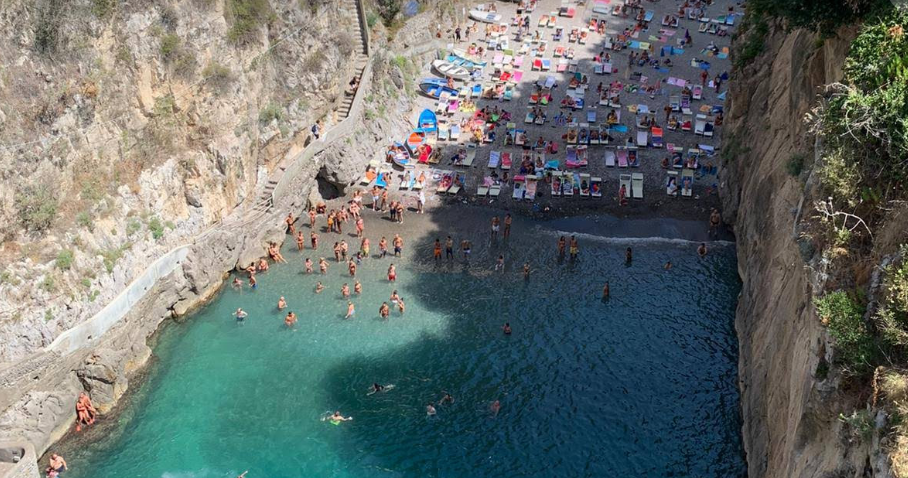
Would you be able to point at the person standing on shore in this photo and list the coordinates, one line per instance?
(714, 220)
(437, 250)
(360, 227)
(392, 274)
(495, 225)
(382, 247)
(449, 248)
(313, 238)
(465, 247)
(507, 225)
(561, 244)
(300, 241)
(574, 248)
(57, 463)
(628, 256)
(605, 291)
(289, 221)
(311, 218)
(398, 243)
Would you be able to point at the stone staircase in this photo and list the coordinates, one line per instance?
(349, 8)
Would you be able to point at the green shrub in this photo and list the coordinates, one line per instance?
(859, 424)
(36, 207)
(111, 256)
(156, 228)
(48, 315)
(217, 74)
(84, 219)
(388, 10)
(170, 46)
(795, 164)
(841, 177)
(844, 318)
(247, 17)
(133, 226)
(371, 19)
(892, 316)
(103, 8)
(270, 113)
(86, 282)
(754, 40)
(65, 260)
(49, 284)
(821, 15)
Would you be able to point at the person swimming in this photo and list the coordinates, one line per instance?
(240, 315)
(357, 288)
(281, 303)
(376, 388)
(495, 407)
(237, 283)
(605, 291)
(308, 264)
(394, 297)
(290, 320)
(400, 305)
(668, 266)
(430, 410)
(702, 250)
(446, 399)
(526, 270)
(319, 287)
(322, 265)
(384, 311)
(507, 328)
(628, 256)
(337, 418)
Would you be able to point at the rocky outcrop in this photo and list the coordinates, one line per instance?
(790, 406)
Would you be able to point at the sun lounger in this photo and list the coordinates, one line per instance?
(447, 180)
(687, 183)
(469, 158)
(443, 132)
(380, 179)
(686, 124)
(505, 161)
(622, 158)
(698, 92)
(610, 159)
(547, 64)
(562, 65)
(708, 129)
(529, 118)
(633, 158)
(657, 137)
(459, 183)
(530, 193)
(484, 187)
(642, 139)
(494, 159)
(584, 185)
(637, 185)
(567, 184)
(519, 188)
(596, 187)
(556, 183)
(406, 180)
(699, 127)
(590, 116)
(671, 183)
(370, 173)
(624, 181)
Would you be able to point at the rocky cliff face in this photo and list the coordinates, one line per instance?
(789, 404)
(127, 128)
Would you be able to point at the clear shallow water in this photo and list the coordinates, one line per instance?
(643, 385)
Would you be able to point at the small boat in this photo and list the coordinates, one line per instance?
(452, 70)
(398, 155)
(484, 16)
(416, 138)
(435, 87)
(464, 62)
(427, 122)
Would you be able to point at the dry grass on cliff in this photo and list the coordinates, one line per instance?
(894, 385)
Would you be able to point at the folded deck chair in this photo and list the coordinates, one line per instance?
(494, 159)
(584, 185)
(622, 158)
(505, 161)
(596, 187)
(610, 159)
(519, 189)
(642, 139)
(556, 183)
(637, 185)
(687, 183)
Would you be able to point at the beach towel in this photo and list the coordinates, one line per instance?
(494, 159)
(596, 187)
(530, 193)
(584, 185)
(657, 137)
(622, 158)
(505, 161)
(619, 128)
(556, 184)
(633, 158)
(519, 189)
(567, 184)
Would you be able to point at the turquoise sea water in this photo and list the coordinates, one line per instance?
(643, 385)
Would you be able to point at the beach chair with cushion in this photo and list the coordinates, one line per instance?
(505, 161)
(637, 185)
(624, 181)
(657, 137)
(610, 159)
(584, 185)
(443, 132)
(700, 127)
(567, 184)
(484, 186)
(633, 157)
(687, 183)
(596, 187)
(370, 173)
(686, 124)
(495, 189)
(531, 184)
(460, 182)
(642, 139)
(406, 180)
(556, 183)
(445, 183)
(381, 179)
(519, 188)
(671, 183)
(622, 157)
(494, 159)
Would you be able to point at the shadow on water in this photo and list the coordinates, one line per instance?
(643, 384)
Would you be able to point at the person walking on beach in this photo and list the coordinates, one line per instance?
(382, 247)
(420, 201)
(574, 248)
(495, 226)
(360, 226)
(507, 225)
(449, 248)
(499, 265)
